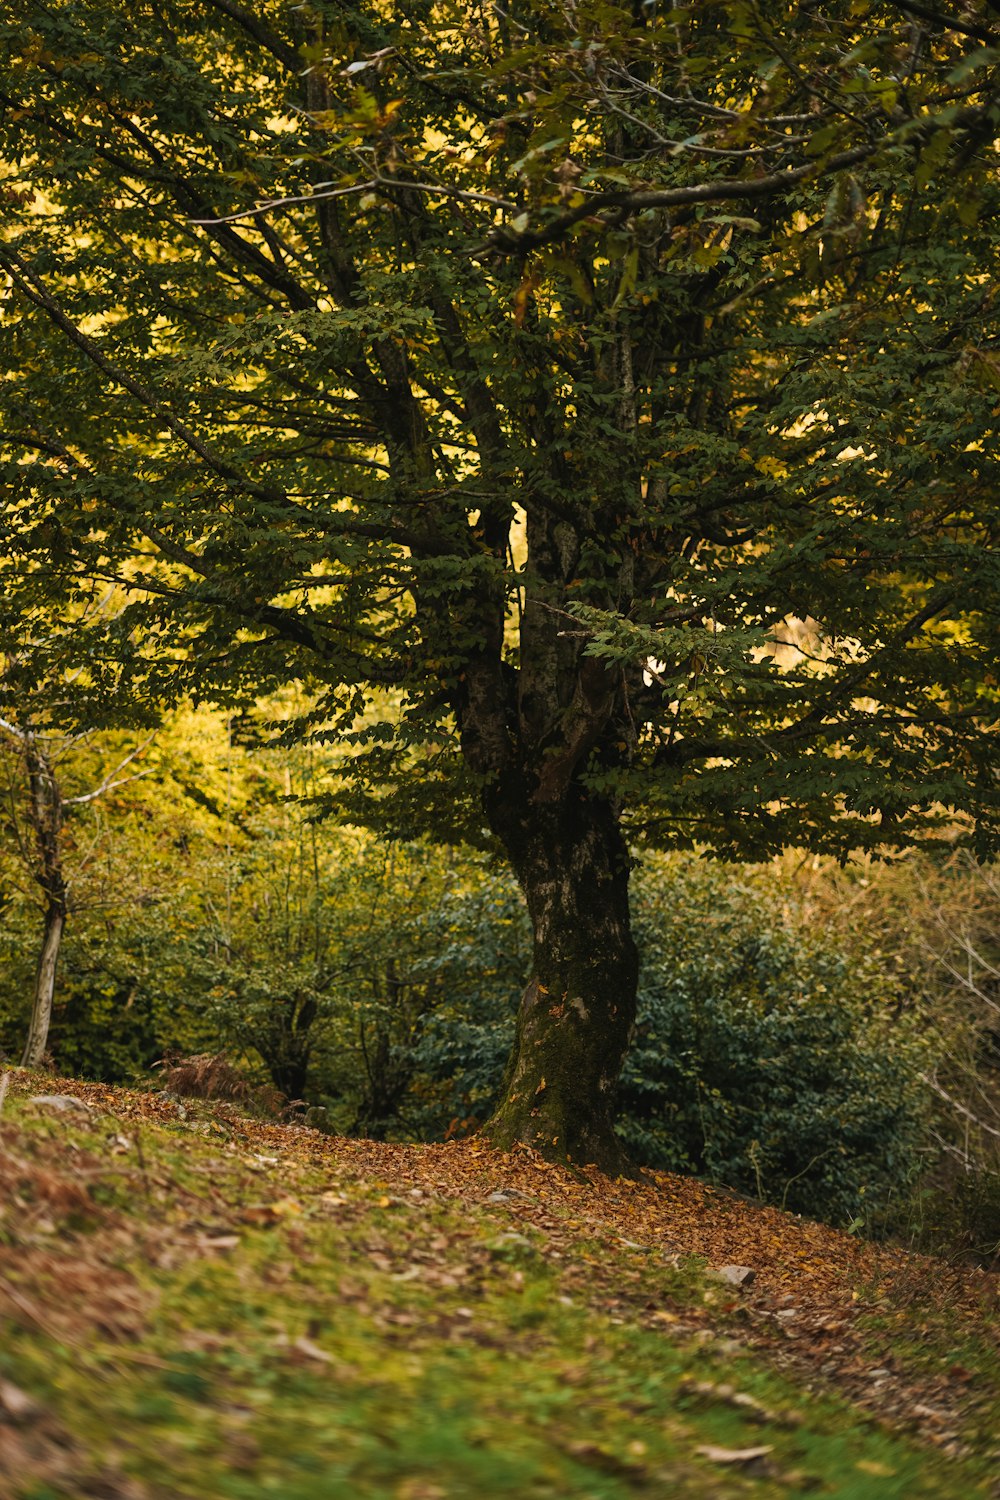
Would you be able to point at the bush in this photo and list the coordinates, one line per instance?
(929, 923)
(763, 1058)
(477, 955)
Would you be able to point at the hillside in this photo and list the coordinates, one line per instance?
(197, 1304)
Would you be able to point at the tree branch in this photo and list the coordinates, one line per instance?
(35, 290)
(109, 782)
(949, 23)
(254, 27)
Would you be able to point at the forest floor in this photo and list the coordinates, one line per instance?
(194, 1303)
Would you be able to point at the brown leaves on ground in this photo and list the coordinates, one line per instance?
(811, 1304)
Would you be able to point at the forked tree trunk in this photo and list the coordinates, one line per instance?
(577, 1013)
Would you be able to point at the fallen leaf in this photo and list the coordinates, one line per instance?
(286, 1208)
(220, 1242)
(733, 1455)
(311, 1351)
(271, 1213)
(16, 1405)
(601, 1458)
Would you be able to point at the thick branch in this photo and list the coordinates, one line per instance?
(255, 28)
(948, 23)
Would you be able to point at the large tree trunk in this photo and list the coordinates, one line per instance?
(577, 1013)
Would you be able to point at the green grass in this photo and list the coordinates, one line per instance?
(418, 1350)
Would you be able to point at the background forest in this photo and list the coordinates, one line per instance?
(824, 1038)
(562, 443)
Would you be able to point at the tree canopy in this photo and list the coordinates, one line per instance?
(594, 405)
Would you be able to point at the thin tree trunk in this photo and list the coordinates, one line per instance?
(46, 816)
(577, 1013)
(45, 985)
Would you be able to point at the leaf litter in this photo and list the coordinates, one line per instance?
(821, 1306)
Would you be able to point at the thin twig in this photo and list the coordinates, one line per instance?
(324, 191)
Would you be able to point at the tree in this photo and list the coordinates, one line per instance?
(605, 394)
(38, 806)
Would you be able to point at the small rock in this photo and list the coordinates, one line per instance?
(735, 1275)
(508, 1244)
(61, 1102)
(500, 1197)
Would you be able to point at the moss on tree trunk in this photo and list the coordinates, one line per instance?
(577, 1013)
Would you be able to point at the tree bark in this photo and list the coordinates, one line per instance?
(577, 1013)
(286, 1048)
(45, 986)
(45, 812)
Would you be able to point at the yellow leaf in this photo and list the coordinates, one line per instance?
(286, 1208)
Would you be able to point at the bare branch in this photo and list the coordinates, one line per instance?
(943, 1094)
(109, 782)
(324, 191)
(508, 240)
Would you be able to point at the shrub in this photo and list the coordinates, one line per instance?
(929, 924)
(476, 948)
(763, 1058)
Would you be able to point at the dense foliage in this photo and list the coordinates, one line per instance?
(525, 287)
(768, 1056)
(378, 987)
(594, 406)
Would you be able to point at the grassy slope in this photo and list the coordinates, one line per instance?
(196, 1305)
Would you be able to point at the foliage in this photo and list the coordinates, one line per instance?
(930, 927)
(637, 331)
(213, 911)
(54, 869)
(478, 948)
(767, 1057)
